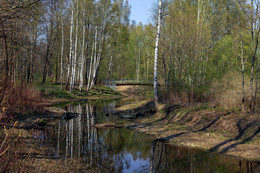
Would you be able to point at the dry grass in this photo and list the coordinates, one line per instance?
(227, 92)
(20, 98)
(11, 146)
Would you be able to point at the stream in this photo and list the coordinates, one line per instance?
(123, 150)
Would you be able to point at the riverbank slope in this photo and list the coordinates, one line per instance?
(220, 130)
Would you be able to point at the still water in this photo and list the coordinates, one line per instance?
(122, 150)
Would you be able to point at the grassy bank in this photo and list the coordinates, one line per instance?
(226, 131)
(54, 94)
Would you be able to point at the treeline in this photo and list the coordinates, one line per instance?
(208, 51)
(59, 41)
(202, 45)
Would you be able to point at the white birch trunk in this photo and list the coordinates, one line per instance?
(71, 48)
(110, 63)
(199, 11)
(156, 53)
(110, 66)
(96, 65)
(82, 52)
(93, 53)
(98, 55)
(73, 74)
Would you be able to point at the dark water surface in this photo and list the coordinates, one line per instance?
(122, 150)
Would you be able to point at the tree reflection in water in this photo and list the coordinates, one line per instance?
(111, 150)
(165, 158)
(122, 150)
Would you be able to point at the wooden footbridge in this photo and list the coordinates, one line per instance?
(112, 83)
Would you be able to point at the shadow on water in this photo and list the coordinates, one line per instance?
(123, 150)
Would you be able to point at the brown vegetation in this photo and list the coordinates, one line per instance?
(19, 98)
(225, 93)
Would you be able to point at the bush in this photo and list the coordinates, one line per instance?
(227, 92)
(20, 98)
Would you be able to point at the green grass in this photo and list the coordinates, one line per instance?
(54, 91)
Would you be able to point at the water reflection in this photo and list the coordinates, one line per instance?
(121, 150)
(110, 150)
(167, 158)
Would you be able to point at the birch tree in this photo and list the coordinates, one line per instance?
(74, 60)
(82, 49)
(156, 53)
(71, 47)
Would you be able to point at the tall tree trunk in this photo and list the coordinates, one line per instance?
(62, 51)
(251, 104)
(243, 77)
(98, 55)
(165, 71)
(156, 53)
(74, 61)
(47, 55)
(93, 54)
(256, 82)
(110, 65)
(71, 47)
(82, 52)
(29, 72)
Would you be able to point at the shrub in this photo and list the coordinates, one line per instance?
(20, 98)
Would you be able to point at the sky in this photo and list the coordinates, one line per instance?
(140, 10)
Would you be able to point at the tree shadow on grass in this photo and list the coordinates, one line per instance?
(226, 149)
(165, 139)
(168, 110)
(241, 133)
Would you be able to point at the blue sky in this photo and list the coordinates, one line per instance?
(140, 10)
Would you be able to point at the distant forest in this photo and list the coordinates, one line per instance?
(208, 49)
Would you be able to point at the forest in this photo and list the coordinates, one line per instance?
(198, 61)
(208, 50)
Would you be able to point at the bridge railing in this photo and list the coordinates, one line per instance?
(126, 81)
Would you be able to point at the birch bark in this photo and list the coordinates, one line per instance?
(71, 47)
(82, 51)
(74, 61)
(93, 53)
(156, 53)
